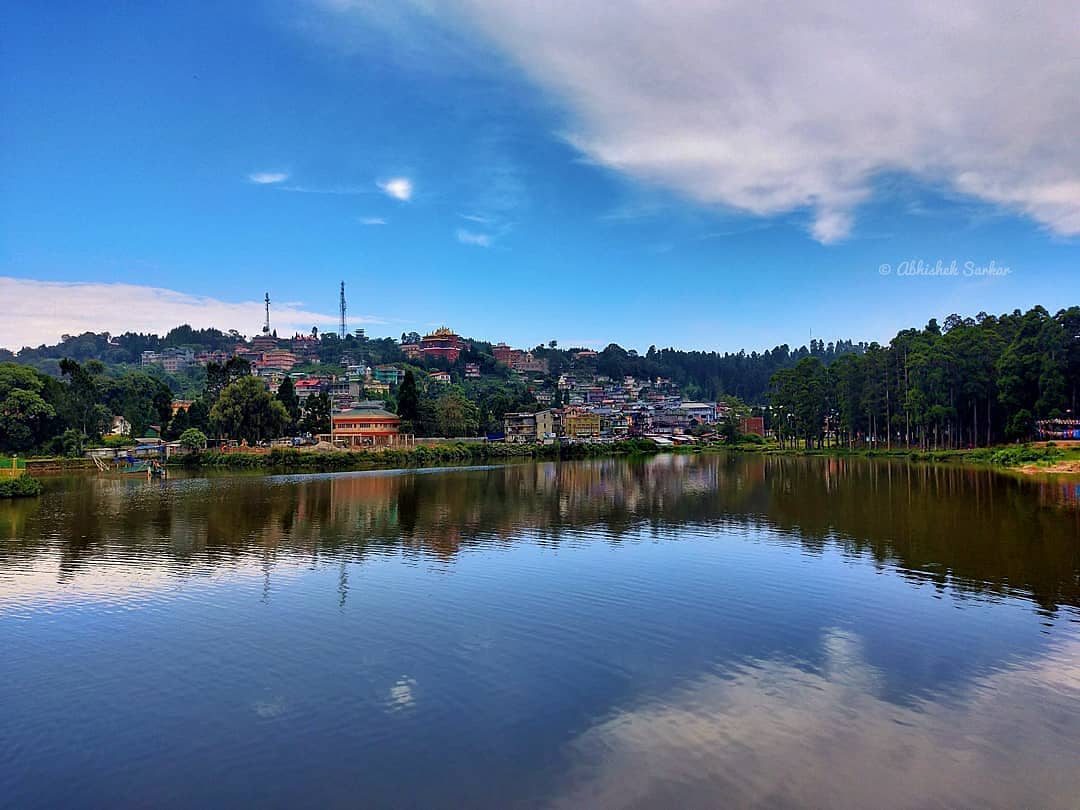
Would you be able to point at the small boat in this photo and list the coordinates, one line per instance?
(149, 467)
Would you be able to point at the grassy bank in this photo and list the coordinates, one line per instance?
(420, 456)
(1049, 456)
(22, 487)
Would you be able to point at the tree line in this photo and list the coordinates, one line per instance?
(965, 383)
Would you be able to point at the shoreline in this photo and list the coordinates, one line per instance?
(1028, 460)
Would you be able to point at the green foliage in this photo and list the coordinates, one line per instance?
(73, 443)
(220, 376)
(419, 456)
(22, 487)
(193, 439)
(455, 415)
(408, 400)
(969, 382)
(316, 414)
(1023, 454)
(24, 412)
(245, 410)
(286, 395)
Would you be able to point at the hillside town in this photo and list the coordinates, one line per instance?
(964, 383)
(577, 404)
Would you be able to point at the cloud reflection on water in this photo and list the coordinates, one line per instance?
(773, 734)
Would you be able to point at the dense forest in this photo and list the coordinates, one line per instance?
(964, 383)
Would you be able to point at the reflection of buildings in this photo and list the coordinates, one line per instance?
(961, 528)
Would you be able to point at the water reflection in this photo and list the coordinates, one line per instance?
(972, 531)
(683, 631)
(772, 733)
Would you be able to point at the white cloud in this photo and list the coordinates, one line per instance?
(39, 312)
(400, 188)
(267, 178)
(372, 221)
(477, 218)
(467, 237)
(769, 107)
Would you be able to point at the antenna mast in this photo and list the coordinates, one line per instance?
(343, 329)
(266, 326)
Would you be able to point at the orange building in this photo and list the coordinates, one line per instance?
(366, 425)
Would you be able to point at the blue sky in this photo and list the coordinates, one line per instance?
(524, 177)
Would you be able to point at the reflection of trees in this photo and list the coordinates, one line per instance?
(972, 529)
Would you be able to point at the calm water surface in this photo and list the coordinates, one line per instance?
(677, 632)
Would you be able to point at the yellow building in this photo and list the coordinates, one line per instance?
(581, 424)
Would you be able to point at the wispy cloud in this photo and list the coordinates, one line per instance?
(477, 218)
(372, 221)
(39, 312)
(347, 190)
(807, 117)
(467, 237)
(267, 178)
(400, 188)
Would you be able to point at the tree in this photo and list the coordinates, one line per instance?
(84, 408)
(408, 401)
(286, 395)
(316, 416)
(219, 376)
(72, 442)
(23, 409)
(193, 439)
(245, 410)
(455, 415)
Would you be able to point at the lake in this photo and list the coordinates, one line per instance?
(679, 631)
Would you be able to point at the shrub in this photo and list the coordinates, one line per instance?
(22, 487)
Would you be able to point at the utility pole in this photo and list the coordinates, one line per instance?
(266, 326)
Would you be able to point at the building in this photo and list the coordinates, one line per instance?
(613, 423)
(443, 344)
(502, 353)
(699, 411)
(391, 375)
(264, 343)
(578, 424)
(367, 425)
(472, 371)
(548, 425)
(173, 360)
(205, 358)
(519, 428)
(756, 425)
(527, 364)
(410, 350)
(344, 390)
(305, 388)
(119, 427)
(376, 388)
(278, 358)
(442, 377)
